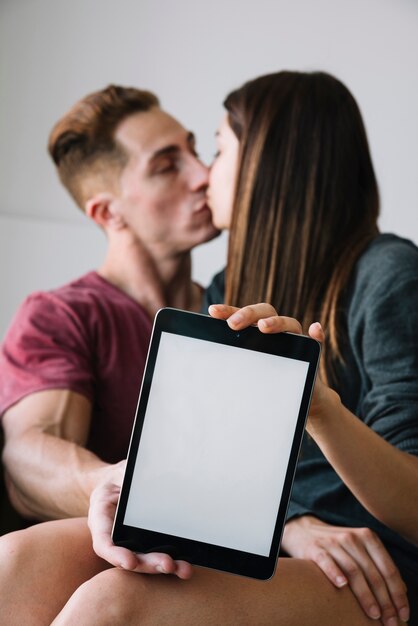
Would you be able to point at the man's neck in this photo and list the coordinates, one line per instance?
(153, 280)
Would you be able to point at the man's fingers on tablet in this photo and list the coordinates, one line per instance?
(157, 563)
(184, 570)
(121, 557)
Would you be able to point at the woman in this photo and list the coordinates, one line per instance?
(295, 183)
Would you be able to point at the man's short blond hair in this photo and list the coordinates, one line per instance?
(82, 143)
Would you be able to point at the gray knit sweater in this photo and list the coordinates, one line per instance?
(378, 383)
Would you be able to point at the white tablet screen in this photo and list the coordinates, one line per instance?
(215, 443)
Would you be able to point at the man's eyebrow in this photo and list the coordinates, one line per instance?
(173, 148)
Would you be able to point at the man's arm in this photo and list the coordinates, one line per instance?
(49, 473)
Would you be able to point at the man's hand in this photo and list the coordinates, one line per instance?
(102, 510)
(353, 556)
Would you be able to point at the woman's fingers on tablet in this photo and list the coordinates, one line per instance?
(265, 317)
(280, 324)
(241, 318)
(316, 332)
(222, 311)
(262, 315)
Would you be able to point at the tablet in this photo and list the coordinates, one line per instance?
(218, 428)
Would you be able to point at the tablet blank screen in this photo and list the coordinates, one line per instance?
(215, 443)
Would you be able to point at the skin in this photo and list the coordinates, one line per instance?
(153, 214)
(223, 175)
(34, 586)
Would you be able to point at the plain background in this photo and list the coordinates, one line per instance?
(191, 53)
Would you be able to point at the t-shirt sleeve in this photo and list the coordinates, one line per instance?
(46, 347)
(385, 322)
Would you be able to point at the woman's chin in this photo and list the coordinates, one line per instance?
(220, 224)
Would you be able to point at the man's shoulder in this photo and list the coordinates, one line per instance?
(79, 288)
(89, 290)
(90, 301)
(66, 297)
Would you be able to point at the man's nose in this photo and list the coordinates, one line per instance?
(199, 174)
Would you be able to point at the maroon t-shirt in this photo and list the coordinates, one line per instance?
(89, 337)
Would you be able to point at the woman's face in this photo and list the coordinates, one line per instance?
(223, 175)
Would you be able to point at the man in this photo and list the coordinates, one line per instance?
(73, 358)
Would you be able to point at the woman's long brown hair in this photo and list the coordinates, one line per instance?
(306, 201)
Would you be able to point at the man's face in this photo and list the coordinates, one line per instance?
(162, 189)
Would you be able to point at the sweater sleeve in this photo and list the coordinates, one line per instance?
(215, 293)
(296, 509)
(383, 320)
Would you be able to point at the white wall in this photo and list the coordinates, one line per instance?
(191, 53)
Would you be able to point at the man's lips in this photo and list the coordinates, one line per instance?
(201, 208)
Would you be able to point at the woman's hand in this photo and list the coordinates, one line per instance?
(102, 510)
(353, 556)
(265, 317)
(262, 315)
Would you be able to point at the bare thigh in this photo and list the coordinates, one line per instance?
(41, 567)
(298, 595)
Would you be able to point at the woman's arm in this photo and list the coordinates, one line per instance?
(348, 555)
(379, 475)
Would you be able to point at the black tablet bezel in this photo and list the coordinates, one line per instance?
(201, 326)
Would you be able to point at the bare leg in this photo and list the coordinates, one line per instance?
(298, 595)
(41, 567)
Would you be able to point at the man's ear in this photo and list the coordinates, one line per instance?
(101, 209)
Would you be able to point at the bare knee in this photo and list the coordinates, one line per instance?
(41, 567)
(112, 597)
(15, 549)
(15, 553)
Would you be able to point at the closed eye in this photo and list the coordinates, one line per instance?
(165, 166)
